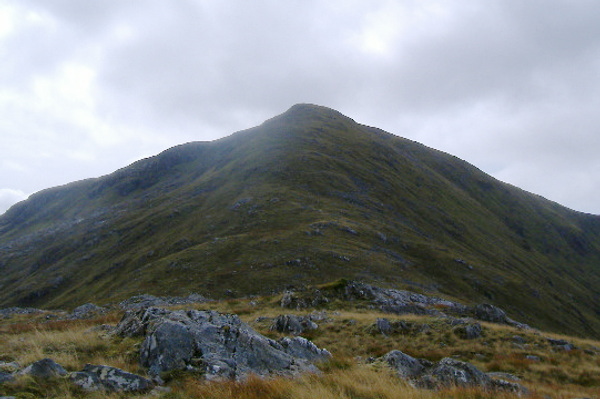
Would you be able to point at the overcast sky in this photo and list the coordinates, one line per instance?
(511, 86)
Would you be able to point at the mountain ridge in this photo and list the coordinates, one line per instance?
(308, 196)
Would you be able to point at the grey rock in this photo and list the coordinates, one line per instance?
(86, 381)
(383, 326)
(170, 346)
(405, 365)
(397, 302)
(468, 331)
(517, 339)
(293, 324)
(45, 368)
(304, 349)
(533, 358)
(561, 344)
(291, 300)
(98, 377)
(145, 301)
(507, 386)
(450, 372)
(6, 377)
(87, 311)
(497, 375)
(9, 312)
(491, 313)
(220, 344)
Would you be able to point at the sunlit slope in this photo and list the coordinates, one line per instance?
(307, 197)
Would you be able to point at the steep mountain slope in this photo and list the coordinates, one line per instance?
(305, 198)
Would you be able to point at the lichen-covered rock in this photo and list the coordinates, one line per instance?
(98, 377)
(293, 324)
(221, 345)
(170, 346)
(45, 368)
(302, 348)
(405, 365)
(450, 372)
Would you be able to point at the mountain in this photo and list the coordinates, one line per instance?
(309, 196)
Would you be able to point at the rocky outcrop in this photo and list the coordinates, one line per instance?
(387, 327)
(293, 324)
(405, 365)
(447, 373)
(145, 301)
(112, 379)
(9, 312)
(87, 311)
(220, 346)
(450, 372)
(91, 378)
(45, 368)
(561, 344)
(395, 301)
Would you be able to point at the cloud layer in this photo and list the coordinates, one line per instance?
(510, 86)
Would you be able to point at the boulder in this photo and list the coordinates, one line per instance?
(450, 372)
(468, 331)
(491, 313)
(220, 345)
(45, 368)
(383, 326)
(106, 378)
(405, 366)
(561, 344)
(293, 324)
(170, 346)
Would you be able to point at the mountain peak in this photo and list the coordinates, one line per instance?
(304, 112)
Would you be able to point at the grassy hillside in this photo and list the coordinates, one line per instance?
(307, 197)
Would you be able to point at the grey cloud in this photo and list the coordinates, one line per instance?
(510, 86)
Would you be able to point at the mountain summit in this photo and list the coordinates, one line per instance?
(307, 197)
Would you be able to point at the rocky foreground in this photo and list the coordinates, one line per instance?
(220, 346)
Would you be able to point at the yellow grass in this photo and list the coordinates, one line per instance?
(348, 334)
